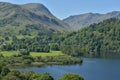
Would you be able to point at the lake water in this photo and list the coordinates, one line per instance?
(91, 69)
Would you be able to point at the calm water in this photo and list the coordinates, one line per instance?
(91, 69)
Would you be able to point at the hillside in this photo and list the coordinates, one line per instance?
(79, 21)
(97, 38)
(28, 19)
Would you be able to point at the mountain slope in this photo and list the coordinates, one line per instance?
(40, 9)
(37, 8)
(29, 18)
(97, 38)
(78, 21)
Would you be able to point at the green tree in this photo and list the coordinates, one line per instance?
(23, 52)
(71, 77)
(35, 76)
(5, 71)
(46, 76)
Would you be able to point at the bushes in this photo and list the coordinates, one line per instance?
(45, 76)
(5, 71)
(23, 52)
(12, 75)
(71, 77)
(59, 59)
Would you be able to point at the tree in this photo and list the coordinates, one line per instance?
(46, 76)
(7, 38)
(12, 75)
(23, 52)
(55, 46)
(71, 77)
(5, 71)
(37, 76)
(26, 75)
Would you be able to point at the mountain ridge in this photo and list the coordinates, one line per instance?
(77, 22)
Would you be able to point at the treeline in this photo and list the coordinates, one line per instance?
(95, 39)
(42, 43)
(27, 44)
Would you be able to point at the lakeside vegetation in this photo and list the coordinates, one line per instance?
(7, 74)
(14, 58)
(37, 59)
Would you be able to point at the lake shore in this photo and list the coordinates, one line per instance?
(39, 64)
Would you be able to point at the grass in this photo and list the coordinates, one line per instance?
(21, 36)
(43, 54)
(34, 54)
(8, 53)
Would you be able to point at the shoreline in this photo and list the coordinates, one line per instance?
(38, 64)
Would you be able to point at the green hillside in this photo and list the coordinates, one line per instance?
(97, 38)
(28, 19)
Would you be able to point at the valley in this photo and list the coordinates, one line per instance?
(31, 36)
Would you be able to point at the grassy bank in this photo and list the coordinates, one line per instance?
(37, 59)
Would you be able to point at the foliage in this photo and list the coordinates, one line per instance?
(55, 57)
(5, 71)
(23, 52)
(95, 40)
(71, 77)
(45, 76)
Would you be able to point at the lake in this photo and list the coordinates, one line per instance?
(91, 69)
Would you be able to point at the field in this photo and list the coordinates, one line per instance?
(8, 53)
(34, 54)
(43, 54)
(21, 36)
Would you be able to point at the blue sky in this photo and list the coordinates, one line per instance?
(65, 8)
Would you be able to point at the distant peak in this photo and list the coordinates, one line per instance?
(113, 12)
(5, 3)
(36, 7)
(36, 4)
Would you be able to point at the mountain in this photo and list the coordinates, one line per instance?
(28, 19)
(78, 21)
(97, 38)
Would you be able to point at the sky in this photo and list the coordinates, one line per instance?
(66, 8)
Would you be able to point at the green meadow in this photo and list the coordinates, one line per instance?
(8, 53)
(44, 54)
(34, 54)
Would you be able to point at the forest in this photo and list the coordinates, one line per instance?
(96, 39)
